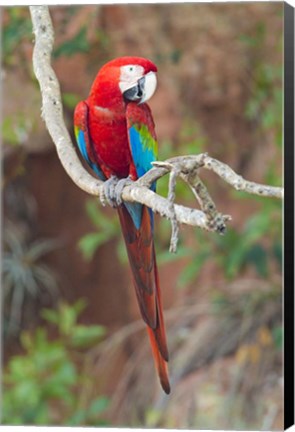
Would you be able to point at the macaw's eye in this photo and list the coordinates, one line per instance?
(131, 71)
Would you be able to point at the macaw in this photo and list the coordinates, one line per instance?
(115, 133)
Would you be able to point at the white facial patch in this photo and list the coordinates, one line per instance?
(130, 74)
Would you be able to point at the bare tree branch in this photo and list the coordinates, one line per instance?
(186, 167)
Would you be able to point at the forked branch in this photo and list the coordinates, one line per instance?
(186, 167)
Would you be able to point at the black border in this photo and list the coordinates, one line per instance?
(289, 215)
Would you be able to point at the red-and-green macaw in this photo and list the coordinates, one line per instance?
(115, 133)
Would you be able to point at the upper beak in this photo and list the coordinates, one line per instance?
(143, 89)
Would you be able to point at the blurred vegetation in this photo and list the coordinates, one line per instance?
(265, 106)
(15, 128)
(106, 229)
(78, 43)
(44, 385)
(24, 277)
(17, 29)
(53, 378)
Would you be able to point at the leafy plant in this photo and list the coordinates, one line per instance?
(24, 275)
(45, 385)
(107, 228)
(65, 319)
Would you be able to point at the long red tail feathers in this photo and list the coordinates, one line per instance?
(158, 340)
(141, 254)
(160, 364)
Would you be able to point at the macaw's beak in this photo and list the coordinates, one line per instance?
(143, 89)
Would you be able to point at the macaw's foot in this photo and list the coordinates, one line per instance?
(113, 188)
(109, 187)
(119, 188)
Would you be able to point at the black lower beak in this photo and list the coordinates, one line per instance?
(135, 93)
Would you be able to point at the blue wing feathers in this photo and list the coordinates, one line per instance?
(143, 149)
(82, 146)
(83, 149)
(141, 153)
(83, 138)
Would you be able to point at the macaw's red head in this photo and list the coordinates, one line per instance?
(124, 79)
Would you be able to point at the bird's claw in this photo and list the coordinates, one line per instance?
(113, 188)
(119, 189)
(109, 190)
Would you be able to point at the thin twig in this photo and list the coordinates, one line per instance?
(174, 173)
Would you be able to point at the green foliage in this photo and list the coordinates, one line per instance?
(78, 44)
(257, 38)
(18, 28)
(107, 229)
(241, 248)
(44, 384)
(15, 128)
(91, 415)
(265, 105)
(192, 269)
(77, 335)
(246, 247)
